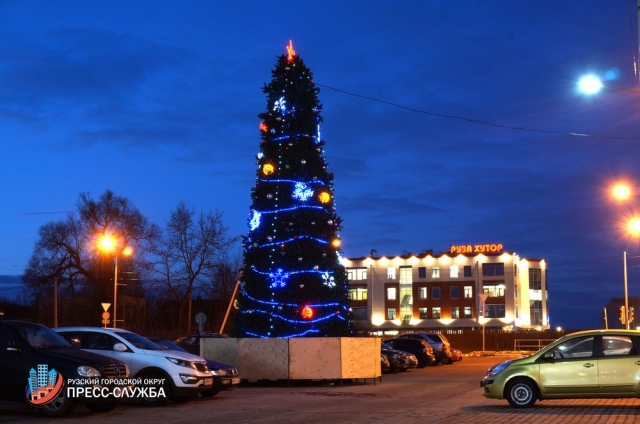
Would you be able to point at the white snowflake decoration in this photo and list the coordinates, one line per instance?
(280, 104)
(279, 279)
(255, 220)
(302, 192)
(328, 280)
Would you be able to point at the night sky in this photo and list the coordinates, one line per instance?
(445, 122)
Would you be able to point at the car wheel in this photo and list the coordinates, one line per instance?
(210, 393)
(446, 361)
(521, 393)
(60, 406)
(101, 407)
(164, 387)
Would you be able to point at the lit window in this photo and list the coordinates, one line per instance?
(357, 274)
(436, 312)
(391, 273)
(359, 293)
(467, 311)
(423, 293)
(391, 313)
(468, 292)
(496, 290)
(455, 312)
(454, 270)
(435, 272)
(391, 293)
(423, 313)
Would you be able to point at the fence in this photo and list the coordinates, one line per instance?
(530, 345)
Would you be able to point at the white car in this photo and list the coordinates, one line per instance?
(179, 376)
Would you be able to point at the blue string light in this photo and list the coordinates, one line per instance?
(293, 305)
(277, 243)
(265, 180)
(304, 333)
(289, 320)
(293, 208)
(304, 271)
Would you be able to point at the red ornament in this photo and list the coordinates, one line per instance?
(263, 127)
(306, 312)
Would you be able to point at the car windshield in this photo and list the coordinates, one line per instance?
(38, 335)
(138, 341)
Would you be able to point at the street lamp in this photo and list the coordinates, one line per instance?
(108, 244)
(623, 192)
(591, 84)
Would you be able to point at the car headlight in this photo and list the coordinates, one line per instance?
(181, 362)
(219, 372)
(497, 369)
(87, 371)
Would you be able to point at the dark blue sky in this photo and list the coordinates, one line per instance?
(158, 101)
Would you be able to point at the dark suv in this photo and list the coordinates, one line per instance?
(438, 341)
(192, 343)
(418, 347)
(40, 368)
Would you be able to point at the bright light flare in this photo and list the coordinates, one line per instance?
(633, 227)
(106, 243)
(621, 191)
(590, 84)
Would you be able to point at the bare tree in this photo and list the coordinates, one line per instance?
(186, 256)
(66, 251)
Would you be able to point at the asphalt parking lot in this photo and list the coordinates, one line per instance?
(442, 394)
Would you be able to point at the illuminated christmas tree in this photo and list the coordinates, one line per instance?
(292, 284)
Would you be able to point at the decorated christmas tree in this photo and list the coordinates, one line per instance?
(293, 284)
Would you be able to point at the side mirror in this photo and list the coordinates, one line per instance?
(120, 347)
(548, 356)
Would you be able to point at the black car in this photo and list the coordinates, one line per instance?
(438, 342)
(398, 359)
(192, 343)
(39, 367)
(418, 347)
(225, 376)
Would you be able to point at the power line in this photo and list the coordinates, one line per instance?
(477, 121)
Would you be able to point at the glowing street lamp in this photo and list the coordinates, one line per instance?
(108, 244)
(591, 84)
(621, 191)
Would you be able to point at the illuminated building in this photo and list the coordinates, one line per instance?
(443, 291)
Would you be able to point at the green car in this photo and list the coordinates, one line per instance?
(587, 364)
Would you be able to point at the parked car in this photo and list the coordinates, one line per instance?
(192, 343)
(456, 355)
(225, 376)
(438, 342)
(176, 375)
(587, 364)
(398, 360)
(32, 353)
(420, 348)
(385, 365)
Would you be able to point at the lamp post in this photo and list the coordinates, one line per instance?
(622, 192)
(107, 243)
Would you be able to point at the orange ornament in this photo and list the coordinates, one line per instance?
(306, 312)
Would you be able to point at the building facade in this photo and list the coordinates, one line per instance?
(469, 286)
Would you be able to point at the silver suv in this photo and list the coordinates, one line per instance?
(179, 376)
(437, 341)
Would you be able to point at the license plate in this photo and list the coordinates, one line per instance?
(208, 382)
(235, 381)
